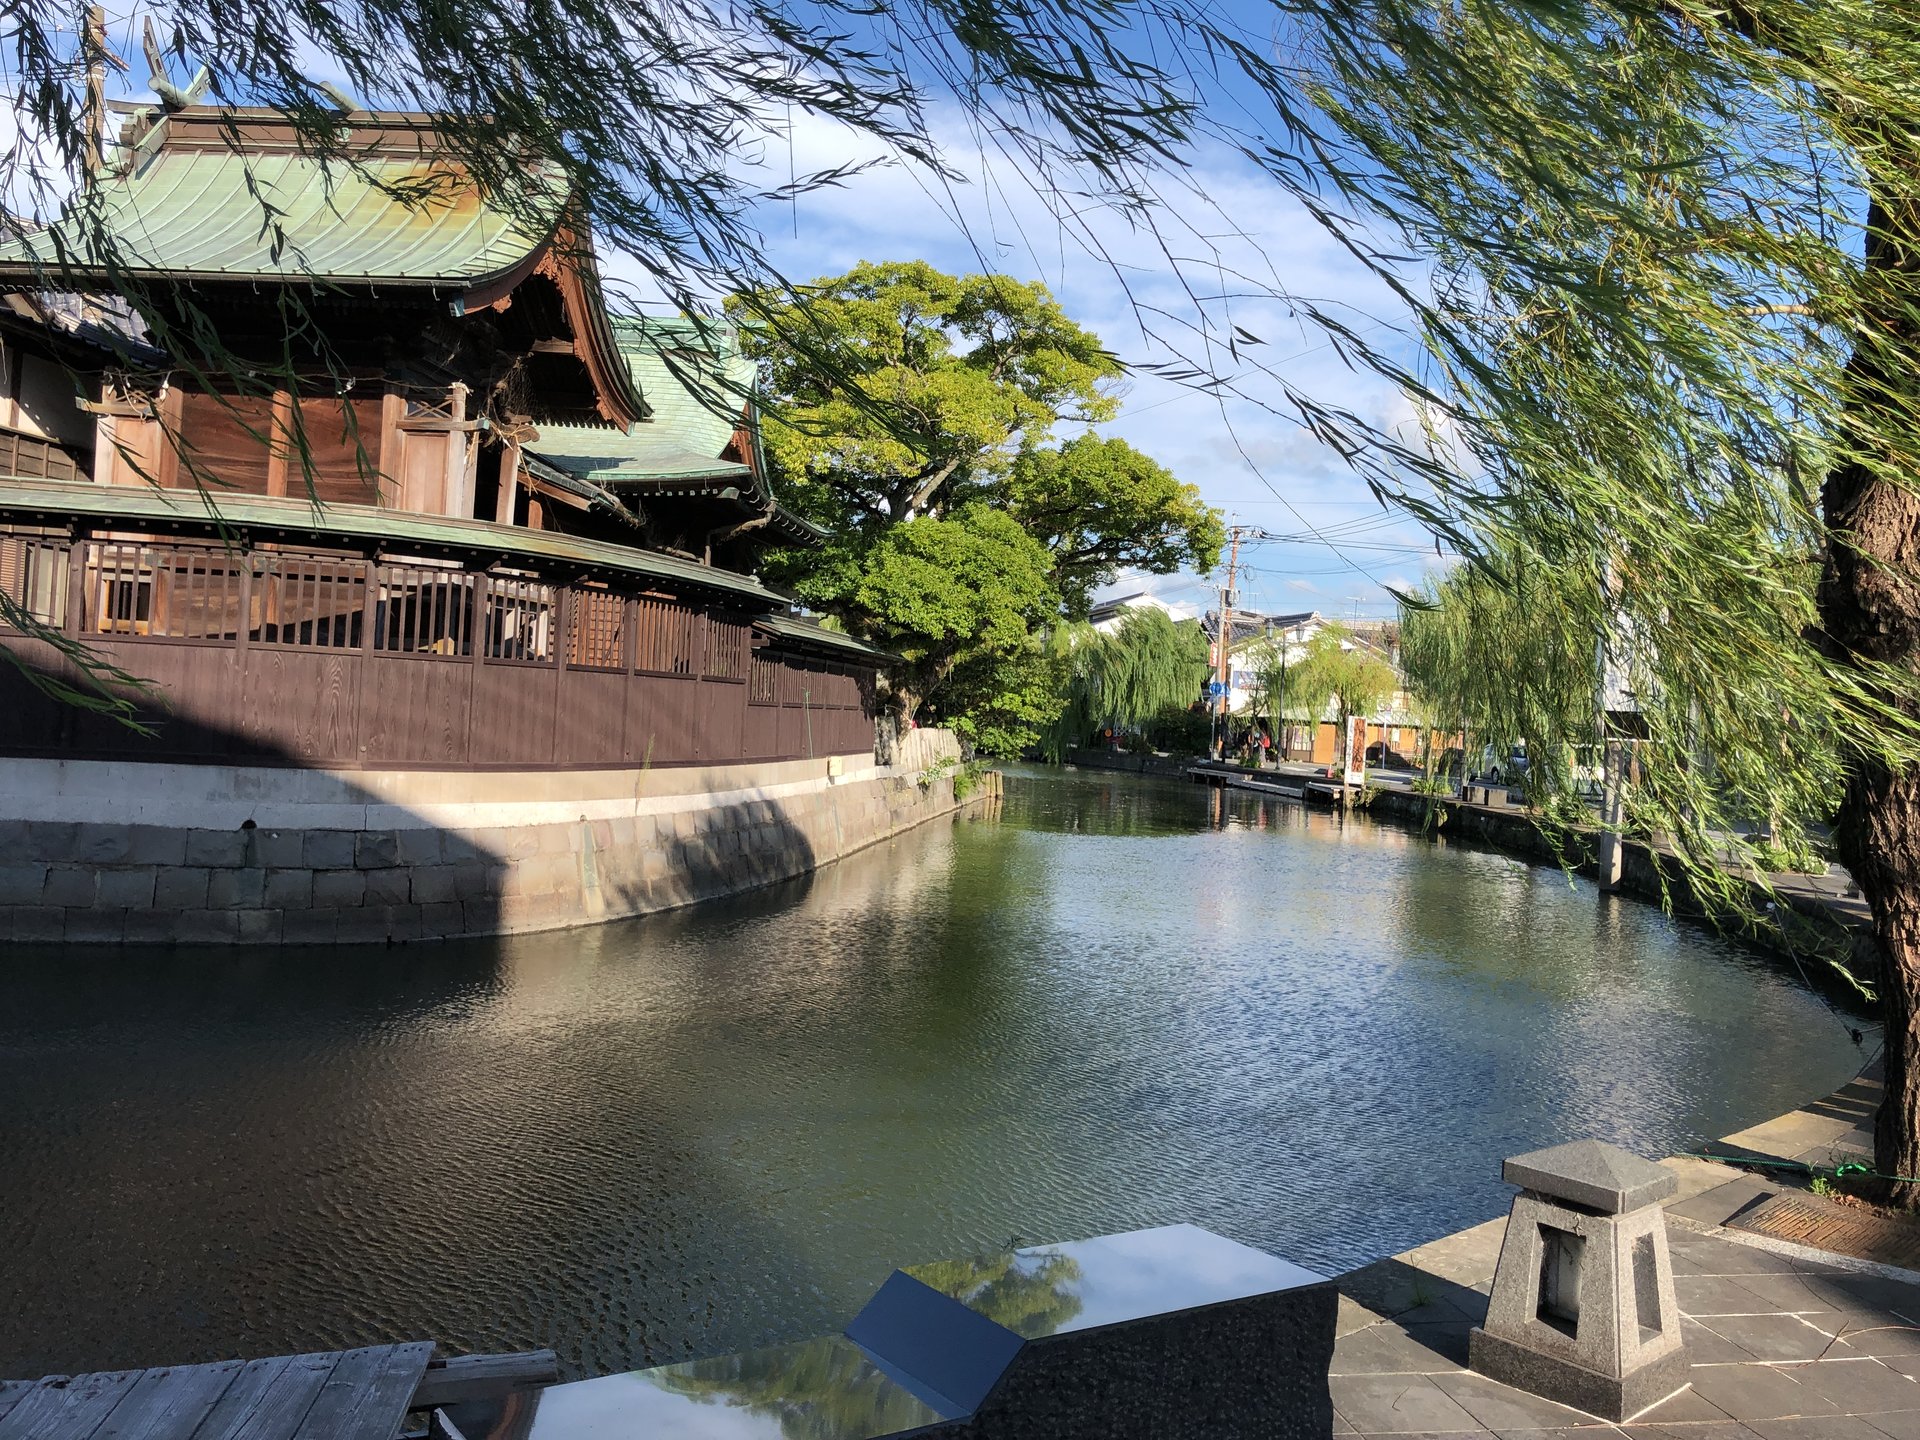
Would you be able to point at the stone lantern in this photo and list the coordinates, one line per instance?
(1583, 1310)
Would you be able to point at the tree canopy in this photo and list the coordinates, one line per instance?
(1150, 666)
(959, 529)
(934, 589)
(1100, 506)
(918, 387)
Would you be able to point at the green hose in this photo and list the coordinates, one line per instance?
(1758, 1162)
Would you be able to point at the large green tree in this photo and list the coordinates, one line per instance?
(918, 424)
(896, 391)
(936, 591)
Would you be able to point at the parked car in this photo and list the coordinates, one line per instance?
(1383, 754)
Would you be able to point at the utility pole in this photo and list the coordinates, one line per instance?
(1223, 648)
(93, 46)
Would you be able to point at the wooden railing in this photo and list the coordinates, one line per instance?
(313, 657)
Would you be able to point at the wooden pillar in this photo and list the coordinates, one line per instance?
(280, 446)
(506, 499)
(393, 409)
(76, 588)
(458, 498)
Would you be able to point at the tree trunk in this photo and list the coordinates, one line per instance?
(1879, 834)
(1870, 610)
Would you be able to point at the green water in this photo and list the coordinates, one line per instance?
(1115, 1003)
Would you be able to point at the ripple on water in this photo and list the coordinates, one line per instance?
(723, 1126)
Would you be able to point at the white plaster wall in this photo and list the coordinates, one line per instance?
(224, 797)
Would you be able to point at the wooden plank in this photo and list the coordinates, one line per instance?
(169, 1402)
(268, 1398)
(384, 1403)
(484, 1377)
(67, 1409)
(353, 1371)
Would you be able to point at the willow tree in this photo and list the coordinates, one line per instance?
(1126, 679)
(1338, 672)
(1502, 656)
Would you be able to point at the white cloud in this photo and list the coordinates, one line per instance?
(1246, 455)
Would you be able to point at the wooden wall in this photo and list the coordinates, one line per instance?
(328, 659)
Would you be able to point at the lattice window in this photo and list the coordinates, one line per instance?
(597, 639)
(308, 601)
(33, 574)
(423, 611)
(172, 593)
(727, 646)
(665, 642)
(520, 620)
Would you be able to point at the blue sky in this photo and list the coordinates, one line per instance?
(1262, 468)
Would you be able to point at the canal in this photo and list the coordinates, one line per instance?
(1114, 1003)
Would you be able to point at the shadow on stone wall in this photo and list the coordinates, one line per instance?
(89, 855)
(86, 856)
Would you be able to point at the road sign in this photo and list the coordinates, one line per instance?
(1215, 689)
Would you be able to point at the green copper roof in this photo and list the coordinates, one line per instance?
(648, 450)
(203, 212)
(693, 375)
(697, 386)
(811, 632)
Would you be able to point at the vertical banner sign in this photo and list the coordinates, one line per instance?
(1356, 750)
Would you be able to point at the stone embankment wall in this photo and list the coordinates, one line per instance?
(1107, 759)
(99, 852)
(1797, 919)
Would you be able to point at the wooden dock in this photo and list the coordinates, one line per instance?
(342, 1395)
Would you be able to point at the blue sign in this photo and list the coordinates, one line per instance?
(1215, 689)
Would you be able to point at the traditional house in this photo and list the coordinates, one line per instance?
(1109, 615)
(376, 483)
(503, 473)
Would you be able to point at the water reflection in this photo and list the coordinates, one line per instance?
(720, 1128)
(823, 1389)
(1029, 1292)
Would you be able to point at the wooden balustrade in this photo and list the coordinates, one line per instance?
(276, 656)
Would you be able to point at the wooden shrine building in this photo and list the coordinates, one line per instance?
(367, 476)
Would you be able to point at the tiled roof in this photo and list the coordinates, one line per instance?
(648, 450)
(692, 374)
(194, 211)
(697, 386)
(805, 631)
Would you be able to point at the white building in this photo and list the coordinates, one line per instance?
(1108, 616)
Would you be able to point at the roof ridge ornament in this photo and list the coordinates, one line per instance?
(171, 95)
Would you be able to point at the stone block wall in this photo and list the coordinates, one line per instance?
(419, 877)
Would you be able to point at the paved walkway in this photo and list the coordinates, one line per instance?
(1787, 1343)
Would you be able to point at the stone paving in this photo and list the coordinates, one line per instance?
(1787, 1343)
